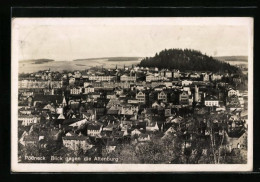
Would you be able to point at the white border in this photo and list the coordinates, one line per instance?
(18, 167)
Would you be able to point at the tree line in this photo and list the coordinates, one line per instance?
(187, 59)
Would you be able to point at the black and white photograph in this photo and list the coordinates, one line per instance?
(132, 94)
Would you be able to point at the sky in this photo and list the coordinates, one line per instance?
(66, 39)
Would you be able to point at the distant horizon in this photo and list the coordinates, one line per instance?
(122, 57)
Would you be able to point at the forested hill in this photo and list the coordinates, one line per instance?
(187, 60)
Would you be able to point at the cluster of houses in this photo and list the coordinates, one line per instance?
(99, 109)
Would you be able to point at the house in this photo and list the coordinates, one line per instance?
(39, 84)
(168, 74)
(77, 74)
(216, 77)
(72, 80)
(194, 75)
(162, 96)
(128, 109)
(102, 78)
(94, 130)
(184, 98)
(140, 96)
(155, 104)
(176, 73)
(27, 120)
(126, 78)
(75, 90)
(186, 82)
(59, 110)
(110, 127)
(211, 101)
(205, 77)
(76, 142)
(232, 92)
(110, 146)
(153, 78)
(79, 123)
(27, 94)
(25, 111)
(89, 89)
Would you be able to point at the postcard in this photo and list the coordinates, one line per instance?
(157, 94)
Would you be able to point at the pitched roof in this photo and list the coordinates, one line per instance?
(46, 98)
(70, 121)
(110, 111)
(211, 97)
(93, 127)
(75, 137)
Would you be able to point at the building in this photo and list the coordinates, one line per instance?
(126, 78)
(153, 78)
(184, 98)
(89, 89)
(86, 84)
(216, 77)
(176, 73)
(140, 96)
(205, 77)
(39, 84)
(211, 101)
(75, 90)
(72, 80)
(162, 96)
(26, 120)
(168, 74)
(94, 130)
(76, 142)
(101, 78)
(232, 92)
(186, 82)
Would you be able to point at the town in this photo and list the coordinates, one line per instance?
(132, 114)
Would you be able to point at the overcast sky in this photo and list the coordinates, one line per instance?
(66, 39)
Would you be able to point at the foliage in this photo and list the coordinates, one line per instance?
(187, 59)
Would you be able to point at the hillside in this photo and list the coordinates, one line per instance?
(111, 59)
(37, 61)
(187, 60)
(232, 58)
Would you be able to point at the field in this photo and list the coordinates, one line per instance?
(80, 64)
